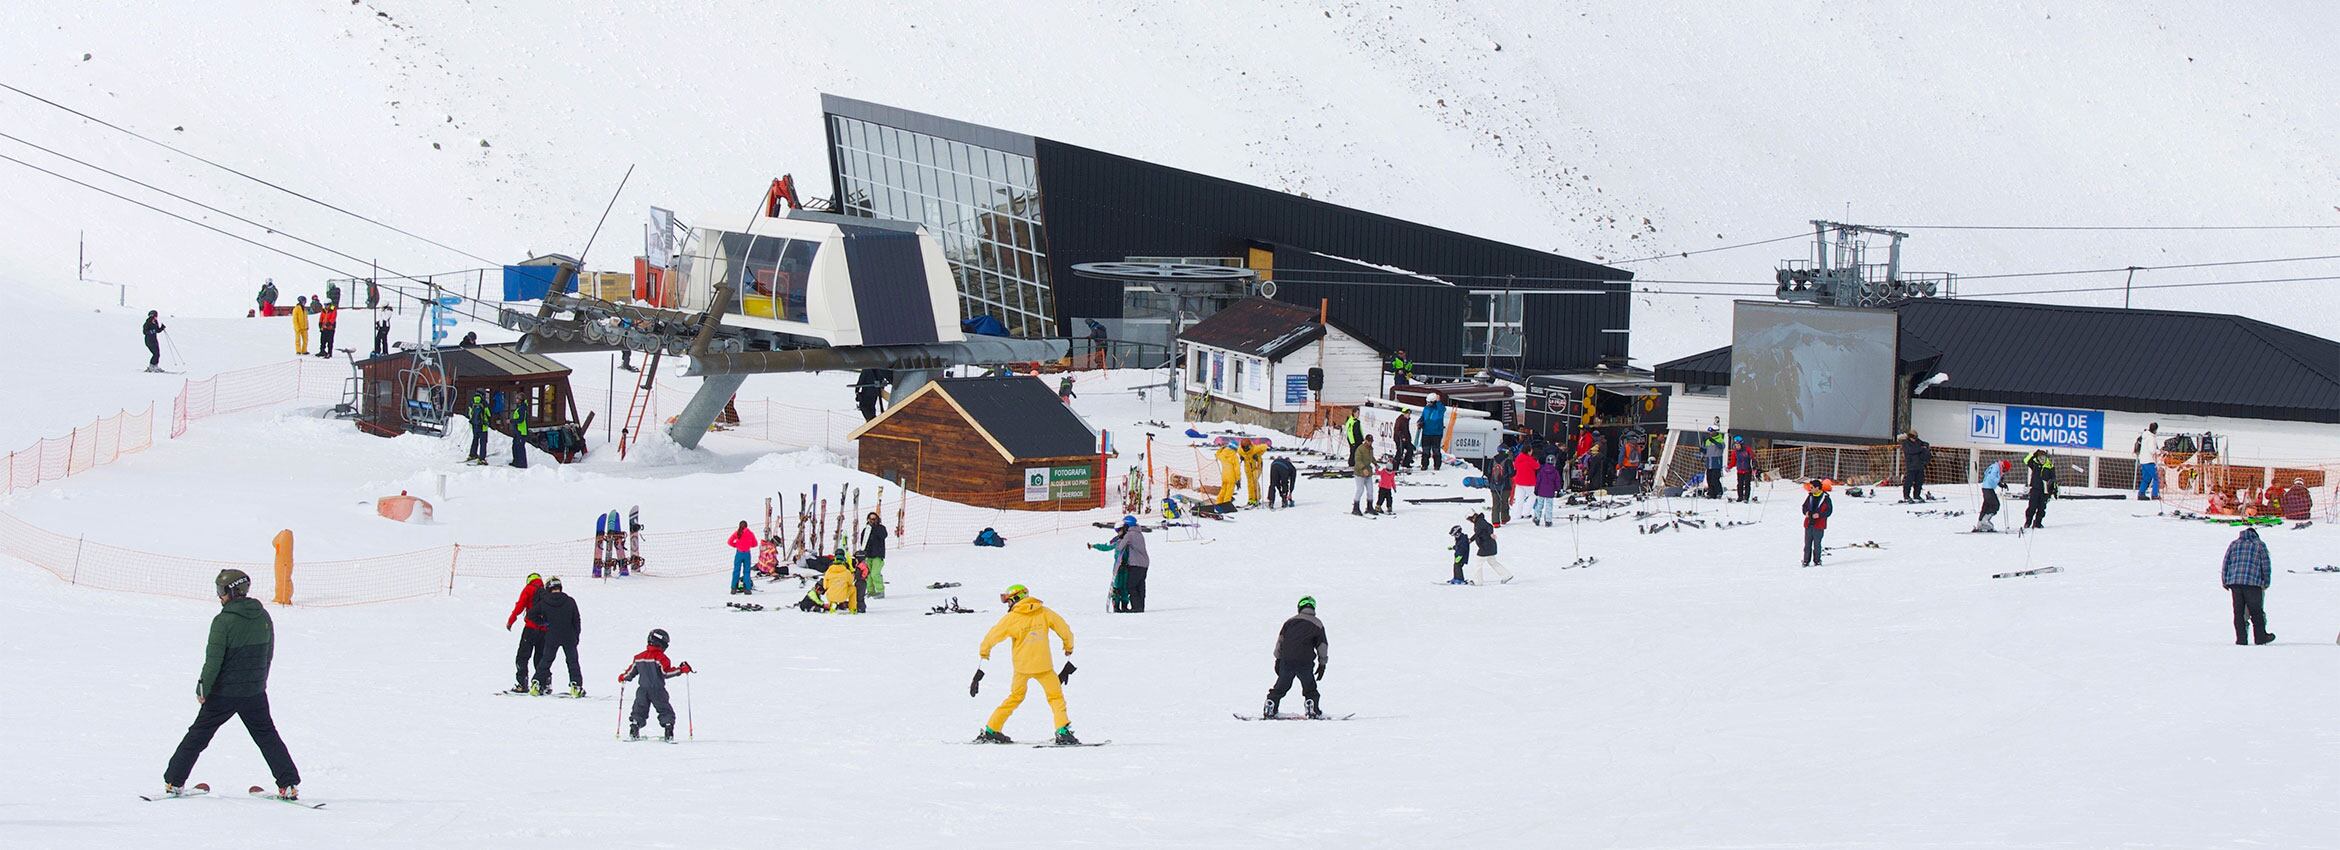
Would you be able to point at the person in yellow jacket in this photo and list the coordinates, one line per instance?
(1026, 626)
(837, 585)
(300, 316)
(1230, 473)
(1254, 454)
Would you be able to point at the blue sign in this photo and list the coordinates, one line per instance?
(2054, 428)
(1295, 389)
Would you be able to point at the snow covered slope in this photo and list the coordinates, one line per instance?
(1689, 689)
(1606, 131)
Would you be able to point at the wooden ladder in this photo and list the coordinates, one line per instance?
(638, 408)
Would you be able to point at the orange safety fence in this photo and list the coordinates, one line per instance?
(932, 523)
(96, 444)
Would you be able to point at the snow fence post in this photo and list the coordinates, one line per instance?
(454, 554)
(78, 542)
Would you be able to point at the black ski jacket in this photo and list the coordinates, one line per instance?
(1483, 534)
(1302, 641)
(558, 612)
(874, 546)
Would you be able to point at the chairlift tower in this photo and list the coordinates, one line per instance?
(1838, 273)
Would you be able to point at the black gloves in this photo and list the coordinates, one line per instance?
(1065, 677)
(976, 685)
(1320, 671)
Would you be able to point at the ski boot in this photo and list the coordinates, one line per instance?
(634, 732)
(596, 570)
(520, 688)
(992, 736)
(538, 689)
(170, 790)
(1064, 737)
(1268, 710)
(669, 736)
(1456, 581)
(576, 691)
(1314, 713)
(288, 794)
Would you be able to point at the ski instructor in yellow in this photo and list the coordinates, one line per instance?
(1026, 626)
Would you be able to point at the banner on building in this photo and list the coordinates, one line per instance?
(660, 244)
(2044, 427)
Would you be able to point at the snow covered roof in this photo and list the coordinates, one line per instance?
(2156, 361)
(1265, 327)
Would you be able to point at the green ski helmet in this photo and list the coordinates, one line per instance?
(232, 584)
(1014, 594)
(1308, 603)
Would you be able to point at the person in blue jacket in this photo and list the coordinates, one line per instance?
(1994, 477)
(1433, 430)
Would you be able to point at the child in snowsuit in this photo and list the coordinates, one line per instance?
(1462, 554)
(1817, 507)
(652, 669)
(1386, 477)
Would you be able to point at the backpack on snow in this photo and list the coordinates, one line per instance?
(989, 537)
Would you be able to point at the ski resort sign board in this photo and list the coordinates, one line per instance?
(2045, 427)
(1056, 483)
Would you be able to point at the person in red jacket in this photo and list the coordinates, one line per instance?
(1817, 507)
(531, 633)
(1523, 473)
(1743, 463)
(743, 545)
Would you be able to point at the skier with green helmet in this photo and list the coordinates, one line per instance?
(1301, 653)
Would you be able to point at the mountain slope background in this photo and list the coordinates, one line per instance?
(1610, 132)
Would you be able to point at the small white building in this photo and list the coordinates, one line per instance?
(1250, 361)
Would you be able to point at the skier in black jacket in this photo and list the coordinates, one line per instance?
(1300, 645)
(562, 624)
(2043, 486)
(1914, 455)
(153, 330)
(1483, 534)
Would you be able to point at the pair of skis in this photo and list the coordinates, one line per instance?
(201, 789)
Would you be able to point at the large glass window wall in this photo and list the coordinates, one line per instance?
(982, 204)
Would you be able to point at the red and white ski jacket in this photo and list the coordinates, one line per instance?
(652, 668)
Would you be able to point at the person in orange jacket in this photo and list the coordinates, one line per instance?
(531, 633)
(326, 322)
(743, 545)
(1026, 625)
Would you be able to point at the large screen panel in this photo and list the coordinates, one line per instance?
(1813, 374)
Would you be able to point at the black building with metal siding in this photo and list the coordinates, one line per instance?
(1101, 207)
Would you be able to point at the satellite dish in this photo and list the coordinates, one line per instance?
(1267, 289)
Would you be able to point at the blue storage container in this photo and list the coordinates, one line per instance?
(530, 283)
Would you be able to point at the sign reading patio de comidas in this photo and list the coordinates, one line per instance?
(2047, 427)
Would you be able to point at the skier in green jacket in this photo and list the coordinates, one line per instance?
(234, 683)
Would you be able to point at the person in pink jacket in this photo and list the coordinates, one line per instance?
(743, 545)
(1523, 472)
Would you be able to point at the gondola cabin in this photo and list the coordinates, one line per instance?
(825, 279)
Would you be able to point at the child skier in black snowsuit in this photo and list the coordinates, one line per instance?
(652, 669)
(1300, 644)
(1462, 554)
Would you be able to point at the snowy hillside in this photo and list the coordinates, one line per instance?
(1690, 688)
(1605, 131)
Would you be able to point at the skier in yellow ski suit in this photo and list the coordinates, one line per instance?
(1254, 454)
(300, 325)
(1230, 473)
(1026, 626)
